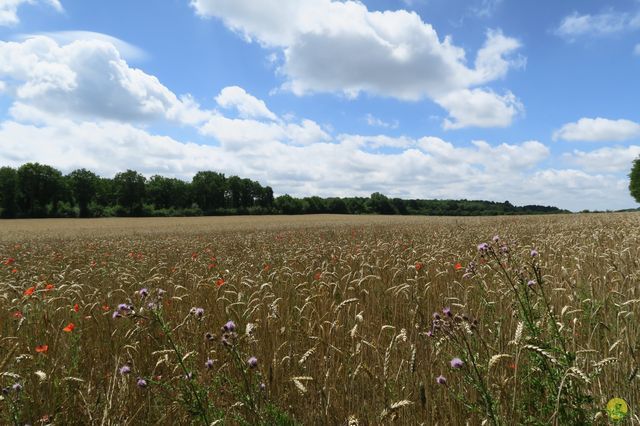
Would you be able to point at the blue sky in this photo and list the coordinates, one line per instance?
(534, 102)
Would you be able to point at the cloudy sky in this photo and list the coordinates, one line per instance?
(535, 102)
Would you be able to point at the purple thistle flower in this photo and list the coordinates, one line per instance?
(482, 247)
(441, 380)
(534, 253)
(188, 376)
(143, 292)
(199, 313)
(161, 292)
(123, 307)
(253, 362)
(209, 363)
(531, 283)
(142, 383)
(5, 391)
(429, 333)
(436, 316)
(447, 311)
(263, 386)
(496, 238)
(457, 363)
(229, 326)
(17, 387)
(116, 314)
(125, 369)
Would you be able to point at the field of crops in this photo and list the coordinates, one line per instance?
(328, 320)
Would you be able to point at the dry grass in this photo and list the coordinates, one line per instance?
(341, 306)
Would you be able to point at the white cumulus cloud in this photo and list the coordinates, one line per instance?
(247, 106)
(598, 130)
(343, 47)
(479, 108)
(88, 78)
(616, 159)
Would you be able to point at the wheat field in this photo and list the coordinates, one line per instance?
(320, 320)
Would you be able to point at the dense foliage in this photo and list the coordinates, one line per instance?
(634, 180)
(36, 190)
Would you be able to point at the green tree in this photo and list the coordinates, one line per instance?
(379, 203)
(314, 205)
(40, 189)
(234, 192)
(130, 189)
(337, 206)
(8, 192)
(286, 204)
(265, 199)
(165, 193)
(209, 190)
(634, 180)
(84, 185)
(247, 193)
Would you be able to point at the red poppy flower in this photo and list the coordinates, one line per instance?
(41, 349)
(49, 287)
(69, 328)
(220, 282)
(13, 271)
(76, 307)
(9, 261)
(317, 276)
(419, 266)
(194, 255)
(105, 308)
(17, 314)
(458, 266)
(29, 291)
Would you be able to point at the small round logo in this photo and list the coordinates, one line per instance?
(617, 409)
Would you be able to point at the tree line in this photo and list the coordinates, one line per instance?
(37, 190)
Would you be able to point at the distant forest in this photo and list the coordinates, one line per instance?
(36, 190)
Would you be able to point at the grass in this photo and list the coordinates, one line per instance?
(337, 310)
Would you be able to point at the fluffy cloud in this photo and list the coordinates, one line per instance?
(598, 130)
(88, 78)
(238, 134)
(636, 50)
(341, 46)
(602, 24)
(247, 106)
(9, 9)
(479, 108)
(605, 160)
